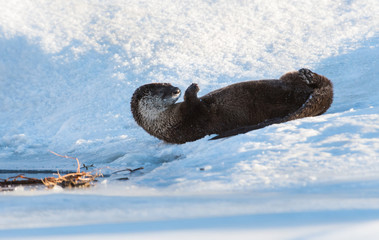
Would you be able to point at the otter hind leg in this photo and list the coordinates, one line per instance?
(320, 99)
(306, 75)
(314, 80)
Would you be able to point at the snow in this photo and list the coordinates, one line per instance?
(68, 70)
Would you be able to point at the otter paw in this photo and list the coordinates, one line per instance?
(193, 88)
(306, 75)
(191, 92)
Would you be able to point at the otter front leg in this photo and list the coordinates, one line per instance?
(191, 93)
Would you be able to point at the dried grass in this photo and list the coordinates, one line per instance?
(70, 180)
(77, 179)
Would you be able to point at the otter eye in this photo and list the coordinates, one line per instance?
(176, 91)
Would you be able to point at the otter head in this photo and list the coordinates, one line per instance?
(150, 100)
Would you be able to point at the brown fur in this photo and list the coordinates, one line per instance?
(231, 110)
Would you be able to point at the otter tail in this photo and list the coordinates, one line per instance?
(317, 103)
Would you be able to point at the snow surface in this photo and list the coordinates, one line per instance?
(67, 73)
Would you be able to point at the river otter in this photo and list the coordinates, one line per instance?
(231, 110)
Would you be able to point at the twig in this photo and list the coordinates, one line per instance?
(87, 166)
(14, 181)
(128, 169)
(77, 160)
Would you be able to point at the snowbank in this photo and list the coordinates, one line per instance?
(68, 70)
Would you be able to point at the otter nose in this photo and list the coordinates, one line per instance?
(176, 91)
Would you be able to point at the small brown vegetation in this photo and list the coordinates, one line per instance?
(68, 180)
(77, 179)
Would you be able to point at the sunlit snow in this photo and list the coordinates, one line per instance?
(67, 73)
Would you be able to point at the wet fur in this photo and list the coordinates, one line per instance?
(231, 110)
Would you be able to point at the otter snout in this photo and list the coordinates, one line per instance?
(176, 92)
(171, 94)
